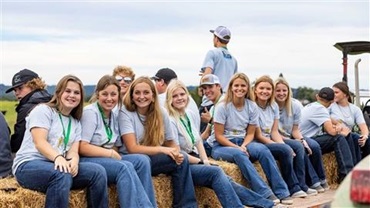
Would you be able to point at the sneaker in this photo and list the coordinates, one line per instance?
(299, 194)
(287, 201)
(325, 185)
(274, 199)
(311, 192)
(318, 188)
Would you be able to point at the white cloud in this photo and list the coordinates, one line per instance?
(90, 39)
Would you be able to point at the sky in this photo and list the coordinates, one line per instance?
(90, 38)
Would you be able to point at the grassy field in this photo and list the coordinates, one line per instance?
(10, 116)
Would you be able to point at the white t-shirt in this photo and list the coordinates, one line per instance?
(314, 115)
(45, 117)
(235, 121)
(266, 118)
(286, 122)
(129, 122)
(185, 142)
(93, 129)
(350, 115)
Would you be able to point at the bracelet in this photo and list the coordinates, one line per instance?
(60, 155)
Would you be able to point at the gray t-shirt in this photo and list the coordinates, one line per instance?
(223, 64)
(43, 116)
(286, 122)
(182, 136)
(192, 105)
(93, 129)
(235, 121)
(350, 115)
(266, 118)
(314, 115)
(129, 122)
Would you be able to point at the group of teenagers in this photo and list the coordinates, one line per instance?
(136, 128)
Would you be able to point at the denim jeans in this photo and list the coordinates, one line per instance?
(123, 175)
(182, 183)
(343, 155)
(229, 193)
(245, 165)
(284, 154)
(316, 166)
(300, 162)
(39, 175)
(207, 148)
(260, 152)
(213, 177)
(141, 164)
(352, 141)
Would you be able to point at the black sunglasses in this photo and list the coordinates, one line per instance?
(127, 80)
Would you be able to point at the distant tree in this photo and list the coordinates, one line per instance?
(306, 94)
(194, 94)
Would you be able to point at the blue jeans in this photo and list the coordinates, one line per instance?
(300, 162)
(214, 177)
(141, 164)
(343, 155)
(207, 148)
(123, 175)
(352, 140)
(39, 175)
(316, 166)
(245, 165)
(260, 152)
(182, 183)
(284, 154)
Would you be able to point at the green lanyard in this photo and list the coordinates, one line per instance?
(108, 130)
(188, 128)
(66, 135)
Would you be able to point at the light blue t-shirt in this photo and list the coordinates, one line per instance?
(314, 115)
(235, 121)
(266, 118)
(93, 129)
(43, 116)
(223, 64)
(286, 122)
(350, 115)
(181, 135)
(131, 122)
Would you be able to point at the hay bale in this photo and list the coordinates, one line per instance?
(12, 195)
(331, 169)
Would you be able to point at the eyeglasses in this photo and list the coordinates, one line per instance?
(127, 80)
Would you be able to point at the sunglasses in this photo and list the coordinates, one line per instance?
(127, 80)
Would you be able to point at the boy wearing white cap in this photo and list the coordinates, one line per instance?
(220, 62)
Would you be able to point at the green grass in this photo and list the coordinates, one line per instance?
(11, 115)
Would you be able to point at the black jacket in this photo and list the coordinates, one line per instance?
(6, 159)
(26, 104)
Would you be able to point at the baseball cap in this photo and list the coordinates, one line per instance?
(209, 79)
(327, 93)
(222, 32)
(166, 74)
(22, 77)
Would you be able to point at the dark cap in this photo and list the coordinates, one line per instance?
(166, 74)
(22, 77)
(326, 93)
